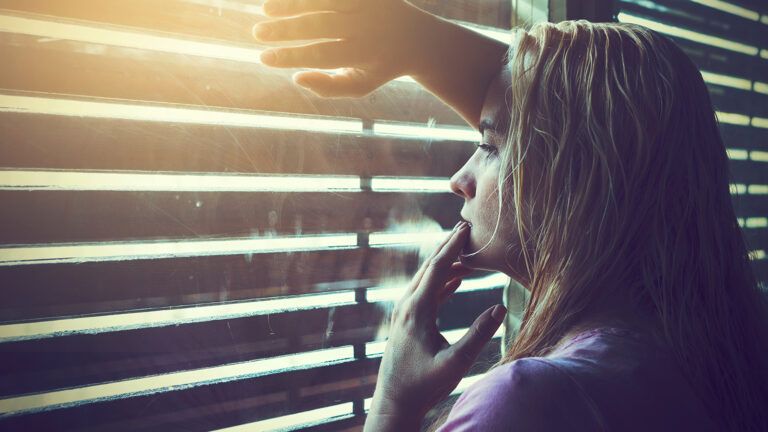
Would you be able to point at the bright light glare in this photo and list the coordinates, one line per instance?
(166, 382)
(492, 281)
(730, 8)
(499, 34)
(417, 131)
(453, 336)
(760, 122)
(415, 239)
(738, 188)
(373, 349)
(167, 317)
(124, 38)
(732, 118)
(757, 254)
(758, 156)
(495, 280)
(737, 154)
(294, 421)
(401, 184)
(375, 295)
(175, 114)
(231, 5)
(757, 222)
(688, 34)
(90, 252)
(756, 189)
(761, 87)
(138, 181)
(726, 80)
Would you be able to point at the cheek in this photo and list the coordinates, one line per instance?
(486, 213)
(488, 198)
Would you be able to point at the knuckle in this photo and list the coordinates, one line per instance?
(403, 311)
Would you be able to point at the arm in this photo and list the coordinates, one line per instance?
(377, 41)
(458, 72)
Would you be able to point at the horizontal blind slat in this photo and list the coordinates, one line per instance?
(165, 73)
(90, 69)
(700, 18)
(112, 356)
(228, 403)
(182, 216)
(69, 142)
(224, 20)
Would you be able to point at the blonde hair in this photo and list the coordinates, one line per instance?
(619, 182)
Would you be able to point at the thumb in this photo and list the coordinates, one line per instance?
(468, 347)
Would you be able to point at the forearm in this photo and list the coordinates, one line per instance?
(456, 64)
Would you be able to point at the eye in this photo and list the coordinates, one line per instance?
(491, 150)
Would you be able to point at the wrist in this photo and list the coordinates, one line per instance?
(385, 415)
(452, 62)
(427, 36)
(395, 422)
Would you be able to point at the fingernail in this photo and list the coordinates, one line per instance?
(261, 32)
(269, 57)
(498, 313)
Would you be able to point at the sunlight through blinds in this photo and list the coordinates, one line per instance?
(728, 41)
(192, 242)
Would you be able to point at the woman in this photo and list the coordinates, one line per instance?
(601, 185)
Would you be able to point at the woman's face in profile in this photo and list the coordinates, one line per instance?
(476, 182)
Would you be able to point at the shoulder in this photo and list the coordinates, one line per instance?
(532, 393)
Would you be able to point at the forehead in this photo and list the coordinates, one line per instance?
(495, 112)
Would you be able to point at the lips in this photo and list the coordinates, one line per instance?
(465, 220)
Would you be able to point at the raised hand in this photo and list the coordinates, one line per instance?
(371, 41)
(419, 367)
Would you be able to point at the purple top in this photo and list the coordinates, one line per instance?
(601, 379)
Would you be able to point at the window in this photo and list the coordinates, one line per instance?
(728, 41)
(191, 242)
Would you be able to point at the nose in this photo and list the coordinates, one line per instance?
(463, 183)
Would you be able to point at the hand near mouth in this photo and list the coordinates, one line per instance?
(419, 367)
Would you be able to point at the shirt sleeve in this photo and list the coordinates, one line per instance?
(528, 394)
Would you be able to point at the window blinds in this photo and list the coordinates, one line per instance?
(728, 41)
(189, 241)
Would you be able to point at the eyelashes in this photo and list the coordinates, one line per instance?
(491, 150)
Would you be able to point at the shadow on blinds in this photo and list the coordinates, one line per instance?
(196, 244)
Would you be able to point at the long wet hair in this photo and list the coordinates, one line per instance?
(617, 178)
